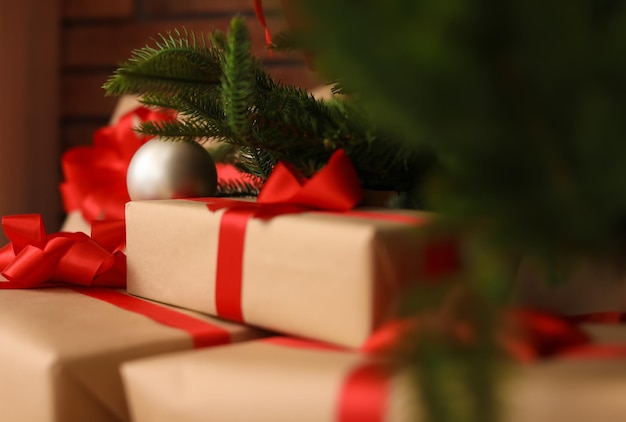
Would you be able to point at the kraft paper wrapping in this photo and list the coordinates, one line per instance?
(317, 275)
(255, 381)
(570, 389)
(262, 381)
(567, 390)
(60, 353)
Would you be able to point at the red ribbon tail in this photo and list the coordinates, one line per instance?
(258, 10)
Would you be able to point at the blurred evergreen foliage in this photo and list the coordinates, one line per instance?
(522, 101)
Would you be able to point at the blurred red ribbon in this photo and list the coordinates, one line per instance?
(95, 176)
(525, 335)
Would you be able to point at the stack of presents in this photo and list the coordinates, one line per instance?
(230, 312)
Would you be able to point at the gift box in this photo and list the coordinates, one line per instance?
(583, 384)
(567, 390)
(61, 349)
(322, 275)
(278, 380)
(283, 379)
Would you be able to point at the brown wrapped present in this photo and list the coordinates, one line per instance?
(278, 380)
(285, 380)
(60, 349)
(327, 276)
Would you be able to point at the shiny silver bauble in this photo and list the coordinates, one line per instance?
(169, 170)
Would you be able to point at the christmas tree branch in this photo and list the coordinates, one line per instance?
(221, 91)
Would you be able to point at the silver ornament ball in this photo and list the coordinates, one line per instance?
(169, 170)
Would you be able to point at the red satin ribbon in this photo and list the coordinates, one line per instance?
(258, 9)
(229, 271)
(95, 176)
(364, 393)
(36, 259)
(335, 187)
(203, 334)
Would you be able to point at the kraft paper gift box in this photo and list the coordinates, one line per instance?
(61, 349)
(285, 380)
(320, 275)
(580, 388)
(277, 380)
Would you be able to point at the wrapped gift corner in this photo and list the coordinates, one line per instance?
(566, 390)
(61, 349)
(322, 275)
(273, 380)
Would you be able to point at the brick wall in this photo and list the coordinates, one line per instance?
(96, 35)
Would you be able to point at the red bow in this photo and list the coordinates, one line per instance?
(96, 175)
(335, 187)
(36, 259)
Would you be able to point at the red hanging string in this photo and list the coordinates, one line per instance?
(258, 9)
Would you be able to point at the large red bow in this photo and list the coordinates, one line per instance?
(335, 187)
(36, 259)
(96, 175)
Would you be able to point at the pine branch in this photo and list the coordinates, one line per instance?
(176, 64)
(237, 189)
(221, 91)
(238, 82)
(182, 130)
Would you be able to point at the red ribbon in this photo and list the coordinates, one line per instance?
(258, 9)
(364, 393)
(335, 187)
(36, 259)
(96, 175)
(528, 336)
(365, 389)
(203, 334)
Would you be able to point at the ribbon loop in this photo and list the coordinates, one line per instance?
(34, 259)
(23, 230)
(335, 187)
(96, 175)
